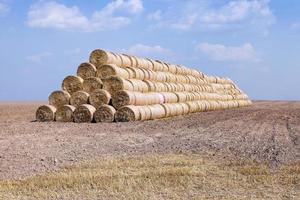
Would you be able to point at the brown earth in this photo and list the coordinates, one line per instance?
(267, 132)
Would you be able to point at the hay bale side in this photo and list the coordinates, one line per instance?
(86, 70)
(105, 113)
(59, 98)
(65, 113)
(107, 70)
(72, 84)
(99, 98)
(114, 84)
(45, 113)
(123, 98)
(127, 114)
(157, 112)
(99, 57)
(79, 98)
(84, 113)
(91, 84)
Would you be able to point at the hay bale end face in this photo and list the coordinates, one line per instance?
(105, 113)
(65, 113)
(59, 98)
(79, 98)
(127, 114)
(84, 113)
(72, 84)
(99, 98)
(45, 113)
(91, 84)
(86, 70)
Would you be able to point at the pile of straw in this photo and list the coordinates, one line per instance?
(123, 88)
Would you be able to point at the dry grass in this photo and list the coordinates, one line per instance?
(158, 177)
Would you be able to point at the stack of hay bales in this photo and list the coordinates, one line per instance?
(122, 88)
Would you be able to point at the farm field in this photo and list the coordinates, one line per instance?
(246, 153)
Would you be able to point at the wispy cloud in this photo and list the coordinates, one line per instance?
(203, 15)
(149, 51)
(156, 15)
(221, 52)
(75, 51)
(295, 26)
(39, 58)
(3, 8)
(59, 16)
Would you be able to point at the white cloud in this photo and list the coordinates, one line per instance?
(3, 8)
(75, 51)
(193, 14)
(295, 26)
(157, 15)
(148, 51)
(54, 15)
(220, 52)
(39, 58)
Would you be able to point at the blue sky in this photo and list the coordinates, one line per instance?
(255, 43)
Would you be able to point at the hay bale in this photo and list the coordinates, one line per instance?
(169, 97)
(86, 70)
(100, 57)
(145, 113)
(45, 113)
(123, 98)
(59, 98)
(99, 98)
(105, 113)
(84, 113)
(91, 84)
(65, 113)
(79, 98)
(139, 85)
(127, 114)
(126, 61)
(157, 112)
(72, 84)
(114, 84)
(108, 70)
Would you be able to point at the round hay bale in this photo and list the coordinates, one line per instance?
(127, 114)
(105, 113)
(91, 84)
(99, 57)
(45, 113)
(139, 85)
(145, 113)
(181, 96)
(79, 98)
(84, 113)
(123, 98)
(59, 98)
(167, 108)
(150, 63)
(169, 97)
(65, 113)
(72, 84)
(86, 70)
(99, 98)
(157, 65)
(137, 73)
(126, 61)
(157, 112)
(114, 84)
(151, 86)
(108, 70)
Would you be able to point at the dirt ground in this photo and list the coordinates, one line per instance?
(267, 132)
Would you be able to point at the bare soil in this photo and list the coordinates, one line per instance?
(267, 132)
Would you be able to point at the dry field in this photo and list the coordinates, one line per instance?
(246, 153)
